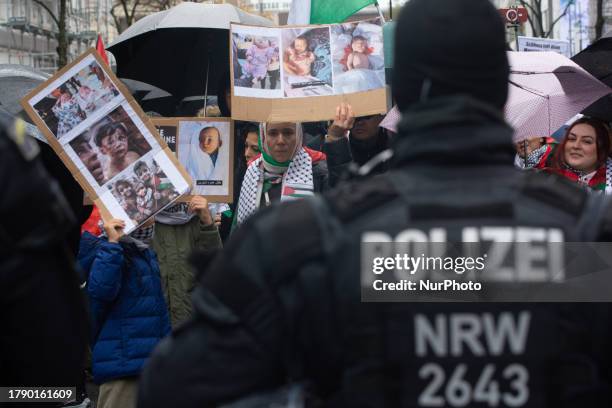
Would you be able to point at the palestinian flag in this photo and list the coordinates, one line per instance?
(297, 191)
(164, 184)
(324, 11)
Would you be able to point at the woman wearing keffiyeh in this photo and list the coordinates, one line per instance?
(582, 156)
(285, 170)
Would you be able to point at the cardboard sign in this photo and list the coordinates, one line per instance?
(107, 142)
(300, 74)
(204, 146)
(167, 129)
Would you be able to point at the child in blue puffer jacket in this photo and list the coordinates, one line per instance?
(127, 308)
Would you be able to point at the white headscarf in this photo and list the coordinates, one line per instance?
(296, 174)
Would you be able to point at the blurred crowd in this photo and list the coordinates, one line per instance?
(138, 288)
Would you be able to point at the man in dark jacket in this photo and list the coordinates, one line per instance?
(282, 302)
(42, 313)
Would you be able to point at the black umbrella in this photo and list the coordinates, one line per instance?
(597, 60)
(151, 98)
(184, 50)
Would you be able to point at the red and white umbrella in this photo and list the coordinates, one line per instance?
(546, 89)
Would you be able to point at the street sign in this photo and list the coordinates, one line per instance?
(514, 15)
(544, 44)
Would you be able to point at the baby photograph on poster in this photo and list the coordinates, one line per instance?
(307, 65)
(256, 62)
(204, 148)
(358, 56)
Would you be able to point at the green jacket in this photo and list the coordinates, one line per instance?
(173, 245)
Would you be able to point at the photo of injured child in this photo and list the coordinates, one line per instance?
(257, 58)
(76, 99)
(307, 65)
(110, 146)
(358, 56)
(144, 191)
(204, 150)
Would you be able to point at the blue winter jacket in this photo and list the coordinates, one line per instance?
(127, 307)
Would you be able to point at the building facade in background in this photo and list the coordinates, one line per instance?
(275, 10)
(606, 14)
(28, 32)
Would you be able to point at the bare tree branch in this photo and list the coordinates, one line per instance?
(536, 17)
(131, 9)
(116, 19)
(51, 13)
(63, 42)
(136, 3)
(552, 25)
(599, 21)
(528, 6)
(540, 17)
(125, 10)
(531, 14)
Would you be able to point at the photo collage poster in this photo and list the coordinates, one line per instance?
(297, 62)
(103, 137)
(204, 146)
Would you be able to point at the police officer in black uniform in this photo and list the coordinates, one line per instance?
(282, 303)
(43, 335)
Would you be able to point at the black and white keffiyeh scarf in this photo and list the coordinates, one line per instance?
(141, 237)
(297, 182)
(608, 189)
(533, 158)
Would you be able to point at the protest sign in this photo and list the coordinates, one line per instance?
(167, 129)
(302, 73)
(204, 146)
(110, 146)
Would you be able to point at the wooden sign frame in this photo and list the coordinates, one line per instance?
(229, 153)
(137, 126)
